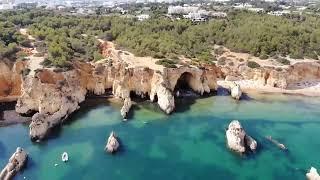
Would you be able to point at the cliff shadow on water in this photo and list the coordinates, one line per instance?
(9, 116)
(91, 102)
(222, 91)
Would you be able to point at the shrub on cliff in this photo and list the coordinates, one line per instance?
(167, 63)
(253, 64)
(263, 56)
(283, 61)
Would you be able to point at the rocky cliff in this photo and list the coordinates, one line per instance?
(53, 94)
(10, 80)
(280, 77)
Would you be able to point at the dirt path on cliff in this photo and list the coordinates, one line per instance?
(34, 62)
(131, 59)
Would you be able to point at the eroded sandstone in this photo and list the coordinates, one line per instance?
(238, 140)
(313, 174)
(112, 143)
(54, 94)
(16, 162)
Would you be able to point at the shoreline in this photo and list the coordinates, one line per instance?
(9, 116)
(252, 88)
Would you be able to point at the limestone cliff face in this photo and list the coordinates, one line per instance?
(275, 77)
(10, 79)
(55, 95)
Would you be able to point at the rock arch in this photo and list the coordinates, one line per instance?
(184, 83)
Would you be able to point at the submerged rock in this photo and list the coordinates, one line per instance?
(15, 164)
(126, 108)
(112, 144)
(238, 140)
(313, 174)
(235, 91)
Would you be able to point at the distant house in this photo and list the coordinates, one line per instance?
(257, 10)
(61, 7)
(279, 13)
(182, 9)
(6, 6)
(26, 5)
(242, 6)
(195, 17)
(143, 17)
(218, 14)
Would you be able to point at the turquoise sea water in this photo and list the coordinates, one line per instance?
(187, 145)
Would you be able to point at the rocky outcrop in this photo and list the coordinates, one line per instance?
(238, 140)
(55, 94)
(280, 77)
(235, 90)
(54, 100)
(11, 80)
(112, 143)
(126, 107)
(16, 162)
(313, 174)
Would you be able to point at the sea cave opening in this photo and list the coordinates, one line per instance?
(183, 88)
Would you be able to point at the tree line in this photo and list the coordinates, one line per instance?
(67, 37)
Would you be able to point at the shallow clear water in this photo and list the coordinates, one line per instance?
(189, 144)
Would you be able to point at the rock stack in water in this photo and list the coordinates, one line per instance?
(15, 164)
(238, 140)
(235, 91)
(126, 108)
(112, 144)
(313, 174)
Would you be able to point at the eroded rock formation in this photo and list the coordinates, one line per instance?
(55, 94)
(313, 174)
(11, 80)
(126, 107)
(15, 164)
(238, 140)
(235, 90)
(112, 143)
(280, 77)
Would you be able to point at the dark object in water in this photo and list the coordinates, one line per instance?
(280, 145)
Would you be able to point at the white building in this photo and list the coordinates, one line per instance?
(257, 10)
(218, 14)
(182, 9)
(143, 17)
(6, 4)
(195, 17)
(279, 13)
(242, 6)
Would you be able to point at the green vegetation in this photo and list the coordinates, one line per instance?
(283, 61)
(253, 64)
(10, 39)
(66, 37)
(167, 63)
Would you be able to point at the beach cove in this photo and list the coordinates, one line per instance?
(188, 144)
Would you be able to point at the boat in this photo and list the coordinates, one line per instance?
(64, 157)
(280, 145)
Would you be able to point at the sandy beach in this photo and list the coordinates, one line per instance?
(307, 88)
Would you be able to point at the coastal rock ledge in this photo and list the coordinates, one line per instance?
(238, 140)
(15, 164)
(53, 94)
(313, 174)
